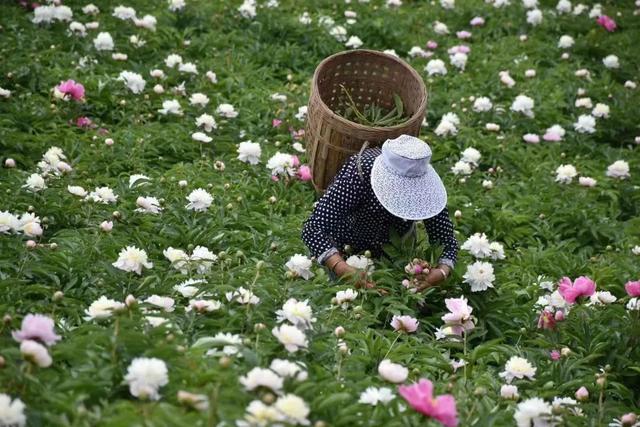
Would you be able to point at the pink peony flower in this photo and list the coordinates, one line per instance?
(582, 394)
(304, 173)
(478, 21)
(72, 89)
(295, 161)
(275, 178)
(555, 355)
(83, 122)
(36, 327)
(531, 138)
(633, 288)
(546, 320)
(461, 48)
(552, 137)
(406, 324)
(607, 23)
(559, 316)
(462, 35)
(432, 45)
(459, 318)
(420, 397)
(276, 122)
(581, 287)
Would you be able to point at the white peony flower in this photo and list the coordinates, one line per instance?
(171, 107)
(282, 164)
(482, 104)
(226, 110)
(102, 308)
(392, 372)
(8, 222)
(77, 190)
(633, 304)
(440, 28)
(517, 367)
(201, 137)
(446, 128)
(291, 337)
(372, 396)
(199, 200)
(480, 276)
(132, 259)
(459, 60)
(103, 41)
(601, 111)
(585, 124)
(176, 5)
(508, 391)
(339, 33)
(506, 79)
(188, 68)
(165, 303)
(259, 377)
(35, 353)
(249, 152)
(565, 174)
(203, 258)
(248, 9)
(287, 369)
(35, 183)
(611, 62)
(293, 410)
(566, 42)
(471, 155)
(203, 306)
(148, 205)
(206, 122)
(618, 169)
(461, 168)
(343, 298)
(298, 313)
(300, 265)
(602, 298)
(478, 245)
(523, 104)
(178, 259)
(172, 60)
(534, 411)
(586, 181)
(534, 17)
(563, 6)
(436, 67)
(145, 376)
(12, 412)
(148, 22)
(133, 81)
(186, 288)
(583, 103)
(497, 251)
(360, 262)
(124, 13)
(354, 42)
(242, 296)
(199, 99)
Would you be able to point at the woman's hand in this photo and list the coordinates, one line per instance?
(435, 277)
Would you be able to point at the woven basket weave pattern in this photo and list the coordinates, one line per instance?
(370, 77)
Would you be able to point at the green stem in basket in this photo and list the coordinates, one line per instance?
(353, 106)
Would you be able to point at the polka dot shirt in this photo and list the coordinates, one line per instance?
(350, 214)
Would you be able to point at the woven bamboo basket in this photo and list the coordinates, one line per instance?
(370, 77)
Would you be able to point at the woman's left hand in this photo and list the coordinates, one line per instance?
(435, 277)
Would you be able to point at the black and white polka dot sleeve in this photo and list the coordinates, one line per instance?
(341, 198)
(440, 231)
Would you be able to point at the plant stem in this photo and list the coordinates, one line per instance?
(389, 351)
(213, 407)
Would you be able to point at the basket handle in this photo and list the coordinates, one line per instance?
(359, 162)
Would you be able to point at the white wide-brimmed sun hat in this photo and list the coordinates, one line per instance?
(404, 181)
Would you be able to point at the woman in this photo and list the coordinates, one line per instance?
(375, 191)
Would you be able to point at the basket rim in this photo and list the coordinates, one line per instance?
(419, 113)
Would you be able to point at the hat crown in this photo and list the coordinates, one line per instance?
(406, 156)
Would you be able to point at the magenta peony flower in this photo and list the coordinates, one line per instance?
(632, 288)
(83, 122)
(72, 89)
(406, 324)
(420, 397)
(276, 122)
(304, 173)
(607, 23)
(547, 320)
(38, 328)
(581, 287)
(555, 355)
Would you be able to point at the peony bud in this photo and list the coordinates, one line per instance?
(582, 394)
(130, 301)
(106, 226)
(9, 163)
(565, 351)
(559, 316)
(108, 141)
(182, 183)
(629, 419)
(457, 214)
(508, 391)
(116, 214)
(225, 361)
(2, 362)
(58, 295)
(259, 327)
(31, 244)
(272, 199)
(6, 319)
(339, 332)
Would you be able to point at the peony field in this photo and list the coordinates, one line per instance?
(155, 178)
